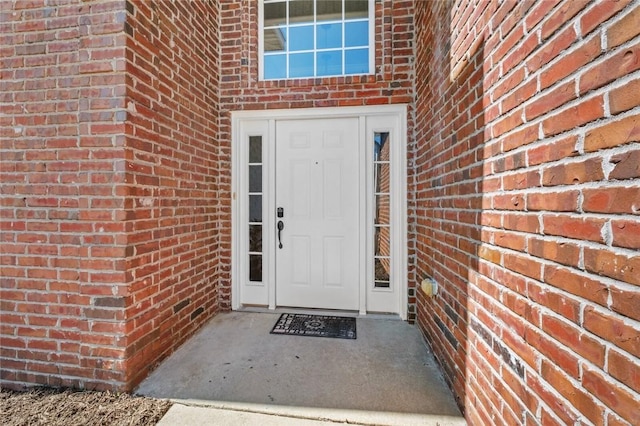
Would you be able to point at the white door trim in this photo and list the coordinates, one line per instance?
(392, 118)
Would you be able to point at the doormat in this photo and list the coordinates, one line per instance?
(316, 326)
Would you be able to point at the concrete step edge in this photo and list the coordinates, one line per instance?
(358, 417)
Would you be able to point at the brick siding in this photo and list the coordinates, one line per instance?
(109, 178)
(62, 174)
(523, 153)
(172, 205)
(240, 88)
(527, 188)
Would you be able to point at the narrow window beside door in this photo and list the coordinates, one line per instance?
(382, 212)
(255, 208)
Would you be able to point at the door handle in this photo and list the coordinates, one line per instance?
(280, 228)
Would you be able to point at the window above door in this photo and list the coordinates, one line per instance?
(316, 38)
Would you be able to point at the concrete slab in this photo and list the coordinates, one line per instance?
(234, 360)
(180, 415)
(249, 415)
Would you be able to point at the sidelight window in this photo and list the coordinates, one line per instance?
(316, 38)
(255, 208)
(382, 210)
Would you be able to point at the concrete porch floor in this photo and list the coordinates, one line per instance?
(387, 375)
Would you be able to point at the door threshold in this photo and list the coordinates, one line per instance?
(314, 311)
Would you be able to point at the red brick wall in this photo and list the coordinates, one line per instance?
(241, 90)
(524, 181)
(61, 188)
(172, 205)
(448, 187)
(108, 187)
(527, 189)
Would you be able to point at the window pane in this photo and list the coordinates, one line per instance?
(255, 149)
(330, 62)
(329, 10)
(255, 238)
(355, 9)
(274, 39)
(255, 178)
(382, 209)
(255, 208)
(328, 26)
(382, 241)
(381, 148)
(301, 65)
(255, 267)
(301, 38)
(329, 36)
(383, 267)
(275, 14)
(300, 11)
(275, 66)
(356, 34)
(357, 61)
(382, 177)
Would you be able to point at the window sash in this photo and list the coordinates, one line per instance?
(353, 56)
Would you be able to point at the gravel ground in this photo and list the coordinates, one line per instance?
(67, 407)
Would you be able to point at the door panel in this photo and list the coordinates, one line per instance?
(299, 184)
(300, 270)
(317, 179)
(333, 267)
(332, 179)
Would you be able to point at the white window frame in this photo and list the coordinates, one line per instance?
(372, 47)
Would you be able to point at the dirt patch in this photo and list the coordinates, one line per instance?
(58, 407)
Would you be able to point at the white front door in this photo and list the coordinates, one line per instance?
(317, 195)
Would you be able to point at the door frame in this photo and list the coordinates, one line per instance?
(378, 118)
